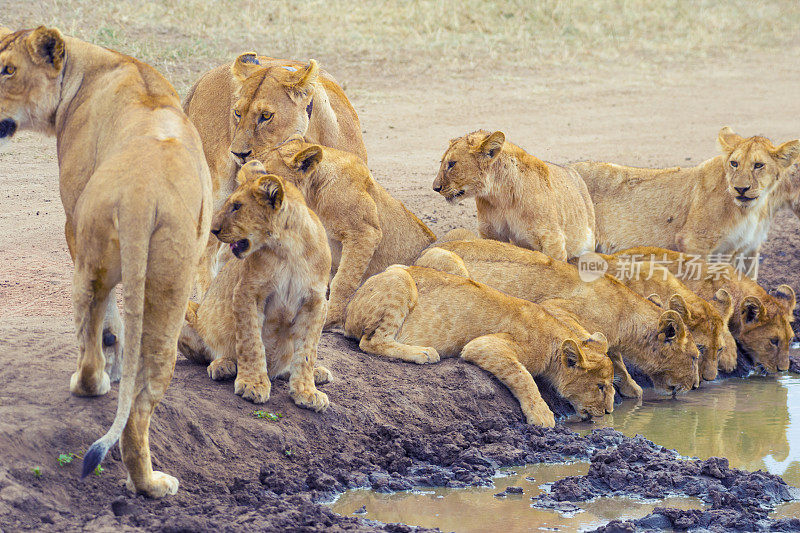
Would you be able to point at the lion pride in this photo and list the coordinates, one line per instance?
(133, 183)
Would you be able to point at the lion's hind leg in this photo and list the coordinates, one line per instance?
(498, 354)
(377, 312)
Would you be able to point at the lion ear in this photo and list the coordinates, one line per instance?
(269, 191)
(752, 309)
(306, 160)
(301, 84)
(656, 299)
(491, 145)
(244, 66)
(571, 354)
(724, 304)
(785, 295)
(46, 47)
(250, 169)
(598, 339)
(678, 304)
(787, 153)
(671, 326)
(728, 140)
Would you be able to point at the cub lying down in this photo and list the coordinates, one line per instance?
(273, 295)
(368, 229)
(418, 314)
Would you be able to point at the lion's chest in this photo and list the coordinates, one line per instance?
(289, 291)
(747, 235)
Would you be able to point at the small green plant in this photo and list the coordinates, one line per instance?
(98, 470)
(37, 471)
(66, 458)
(272, 417)
(288, 452)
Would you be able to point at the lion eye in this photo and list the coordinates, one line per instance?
(8, 70)
(237, 114)
(601, 387)
(235, 206)
(719, 350)
(734, 164)
(701, 348)
(774, 341)
(265, 117)
(758, 165)
(450, 164)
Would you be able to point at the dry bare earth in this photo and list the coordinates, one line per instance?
(658, 112)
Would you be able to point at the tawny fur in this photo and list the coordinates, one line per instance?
(368, 229)
(520, 199)
(256, 102)
(695, 210)
(655, 340)
(760, 322)
(419, 315)
(262, 316)
(137, 197)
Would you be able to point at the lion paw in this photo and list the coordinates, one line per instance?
(255, 389)
(221, 369)
(79, 387)
(425, 356)
(322, 375)
(311, 399)
(540, 415)
(160, 485)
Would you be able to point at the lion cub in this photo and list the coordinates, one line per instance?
(520, 199)
(273, 295)
(419, 314)
(368, 229)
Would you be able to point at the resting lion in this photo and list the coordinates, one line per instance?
(254, 103)
(419, 315)
(718, 207)
(520, 199)
(368, 230)
(760, 323)
(273, 293)
(133, 184)
(655, 340)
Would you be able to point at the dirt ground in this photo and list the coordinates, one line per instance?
(390, 425)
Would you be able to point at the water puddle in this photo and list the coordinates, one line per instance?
(478, 510)
(754, 422)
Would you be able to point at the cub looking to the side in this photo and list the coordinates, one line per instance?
(520, 199)
(418, 314)
(273, 294)
(368, 229)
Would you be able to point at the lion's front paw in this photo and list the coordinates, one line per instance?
(256, 388)
(311, 399)
(540, 415)
(425, 356)
(220, 369)
(89, 387)
(160, 485)
(322, 375)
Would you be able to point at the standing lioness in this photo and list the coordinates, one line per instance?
(520, 199)
(273, 294)
(137, 197)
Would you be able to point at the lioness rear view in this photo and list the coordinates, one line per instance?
(133, 183)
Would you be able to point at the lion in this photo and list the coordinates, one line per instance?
(720, 207)
(133, 183)
(707, 320)
(520, 199)
(760, 322)
(656, 340)
(418, 315)
(368, 230)
(256, 102)
(273, 294)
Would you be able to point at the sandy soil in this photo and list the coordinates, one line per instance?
(224, 457)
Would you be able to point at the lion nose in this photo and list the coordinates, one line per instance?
(437, 188)
(215, 232)
(242, 155)
(7, 128)
(742, 190)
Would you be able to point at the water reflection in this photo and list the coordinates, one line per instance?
(754, 422)
(478, 510)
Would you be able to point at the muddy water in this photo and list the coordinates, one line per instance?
(753, 422)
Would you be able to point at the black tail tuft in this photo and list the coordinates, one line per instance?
(93, 457)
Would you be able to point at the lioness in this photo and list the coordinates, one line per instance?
(707, 320)
(274, 294)
(256, 102)
(368, 230)
(760, 322)
(655, 340)
(133, 184)
(717, 207)
(419, 315)
(520, 199)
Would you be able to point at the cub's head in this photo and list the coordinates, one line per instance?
(465, 165)
(293, 159)
(30, 79)
(765, 330)
(585, 376)
(273, 102)
(706, 327)
(251, 217)
(754, 166)
(673, 361)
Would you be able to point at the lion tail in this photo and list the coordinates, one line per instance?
(135, 229)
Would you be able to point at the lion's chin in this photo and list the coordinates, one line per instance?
(456, 197)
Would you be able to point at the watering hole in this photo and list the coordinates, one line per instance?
(754, 423)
